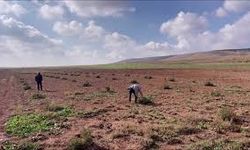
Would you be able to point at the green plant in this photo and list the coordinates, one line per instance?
(209, 83)
(38, 96)
(222, 127)
(66, 112)
(146, 100)
(167, 87)
(28, 146)
(7, 145)
(216, 93)
(234, 128)
(26, 86)
(148, 77)
(172, 79)
(86, 84)
(226, 114)
(55, 108)
(220, 144)
(188, 130)
(109, 90)
(163, 133)
(21, 80)
(78, 93)
(91, 113)
(82, 142)
(60, 110)
(126, 131)
(23, 125)
(200, 123)
(98, 94)
(149, 144)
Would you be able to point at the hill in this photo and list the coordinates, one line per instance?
(218, 56)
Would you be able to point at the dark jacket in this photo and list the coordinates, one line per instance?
(39, 78)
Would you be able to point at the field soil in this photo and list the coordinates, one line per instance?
(186, 110)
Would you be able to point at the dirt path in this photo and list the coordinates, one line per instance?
(9, 98)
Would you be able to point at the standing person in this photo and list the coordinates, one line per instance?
(135, 88)
(39, 80)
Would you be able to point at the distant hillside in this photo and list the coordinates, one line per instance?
(228, 55)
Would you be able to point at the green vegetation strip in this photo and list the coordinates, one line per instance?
(61, 111)
(23, 125)
(182, 65)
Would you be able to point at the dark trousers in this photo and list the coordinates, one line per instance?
(39, 86)
(132, 91)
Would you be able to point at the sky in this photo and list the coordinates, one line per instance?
(68, 32)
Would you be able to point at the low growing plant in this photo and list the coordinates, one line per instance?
(209, 83)
(61, 111)
(167, 87)
(146, 100)
(38, 96)
(26, 86)
(86, 84)
(28, 146)
(82, 142)
(148, 77)
(91, 113)
(23, 125)
(217, 145)
(226, 114)
(172, 79)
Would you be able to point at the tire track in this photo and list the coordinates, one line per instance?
(8, 100)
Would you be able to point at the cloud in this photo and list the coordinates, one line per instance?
(117, 41)
(11, 27)
(235, 6)
(93, 31)
(184, 24)
(108, 46)
(119, 45)
(23, 43)
(98, 8)
(235, 35)
(11, 8)
(96, 37)
(195, 36)
(93, 41)
(157, 46)
(221, 12)
(51, 12)
(68, 28)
